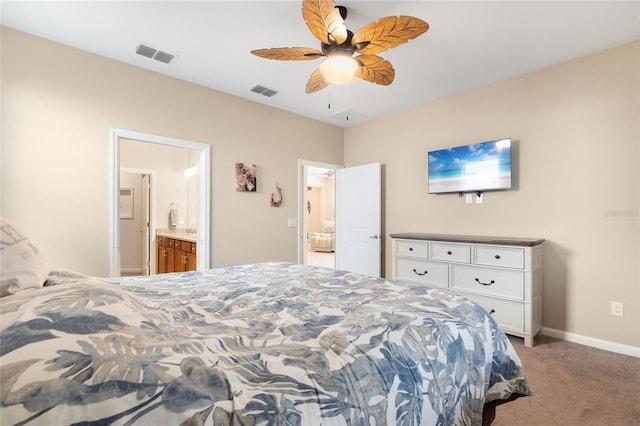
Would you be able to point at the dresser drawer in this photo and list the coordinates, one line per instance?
(507, 257)
(509, 315)
(451, 252)
(495, 282)
(431, 273)
(412, 248)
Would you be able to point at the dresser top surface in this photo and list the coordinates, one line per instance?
(501, 241)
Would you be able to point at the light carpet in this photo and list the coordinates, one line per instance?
(574, 384)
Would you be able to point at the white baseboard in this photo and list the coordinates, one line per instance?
(593, 342)
(130, 272)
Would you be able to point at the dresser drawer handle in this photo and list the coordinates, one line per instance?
(410, 248)
(449, 252)
(497, 256)
(480, 282)
(418, 273)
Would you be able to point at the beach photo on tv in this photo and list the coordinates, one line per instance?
(484, 166)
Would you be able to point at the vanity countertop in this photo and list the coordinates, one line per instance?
(178, 234)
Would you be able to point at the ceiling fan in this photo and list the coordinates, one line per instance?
(338, 45)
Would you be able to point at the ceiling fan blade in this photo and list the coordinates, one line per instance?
(316, 82)
(324, 21)
(288, 53)
(375, 69)
(387, 33)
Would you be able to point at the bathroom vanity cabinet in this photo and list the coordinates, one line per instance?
(175, 255)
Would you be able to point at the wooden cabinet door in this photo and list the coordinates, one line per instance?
(185, 259)
(176, 256)
(166, 260)
(166, 255)
(162, 261)
(192, 263)
(180, 261)
(170, 260)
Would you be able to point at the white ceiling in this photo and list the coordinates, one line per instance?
(469, 44)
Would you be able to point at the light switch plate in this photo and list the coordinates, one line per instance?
(292, 223)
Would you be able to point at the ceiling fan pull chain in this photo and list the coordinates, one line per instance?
(347, 89)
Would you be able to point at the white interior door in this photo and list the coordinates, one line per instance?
(146, 219)
(358, 219)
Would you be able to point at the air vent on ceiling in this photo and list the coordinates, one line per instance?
(153, 53)
(265, 91)
(348, 116)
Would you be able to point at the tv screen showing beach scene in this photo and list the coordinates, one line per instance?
(479, 167)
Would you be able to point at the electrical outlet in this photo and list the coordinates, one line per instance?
(479, 198)
(617, 309)
(469, 198)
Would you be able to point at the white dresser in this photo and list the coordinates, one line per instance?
(503, 275)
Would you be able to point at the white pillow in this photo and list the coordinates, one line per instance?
(22, 265)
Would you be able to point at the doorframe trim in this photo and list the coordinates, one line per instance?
(204, 193)
(152, 209)
(303, 220)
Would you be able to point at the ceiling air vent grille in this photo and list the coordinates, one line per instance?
(156, 54)
(348, 116)
(265, 91)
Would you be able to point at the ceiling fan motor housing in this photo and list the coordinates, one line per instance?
(345, 48)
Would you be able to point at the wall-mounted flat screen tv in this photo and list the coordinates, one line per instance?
(478, 167)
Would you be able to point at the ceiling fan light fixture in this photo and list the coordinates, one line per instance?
(338, 45)
(338, 69)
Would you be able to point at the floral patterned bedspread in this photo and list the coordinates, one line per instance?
(272, 343)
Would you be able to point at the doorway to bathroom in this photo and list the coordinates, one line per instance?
(156, 176)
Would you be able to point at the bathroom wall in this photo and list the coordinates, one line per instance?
(130, 228)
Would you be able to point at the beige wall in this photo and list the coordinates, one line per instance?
(59, 105)
(576, 132)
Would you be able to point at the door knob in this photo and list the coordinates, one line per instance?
(375, 237)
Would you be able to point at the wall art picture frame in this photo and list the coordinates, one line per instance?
(126, 203)
(246, 177)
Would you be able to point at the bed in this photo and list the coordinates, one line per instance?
(260, 344)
